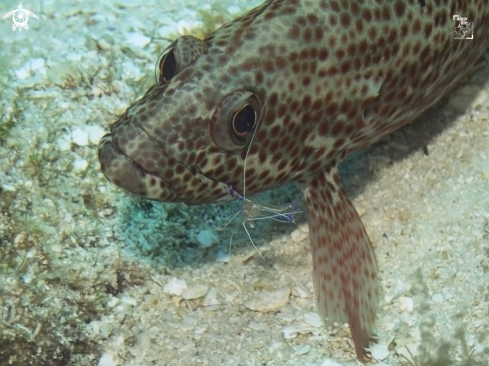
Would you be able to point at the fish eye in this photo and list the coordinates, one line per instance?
(235, 120)
(167, 67)
(177, 56)
(243, 122)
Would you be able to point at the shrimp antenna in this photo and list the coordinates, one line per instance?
(249, 147)
(244, 174)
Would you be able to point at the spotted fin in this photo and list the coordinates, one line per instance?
(344, 264)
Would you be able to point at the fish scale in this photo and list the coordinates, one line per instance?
(283, 93)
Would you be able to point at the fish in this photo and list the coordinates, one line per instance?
(284, 93)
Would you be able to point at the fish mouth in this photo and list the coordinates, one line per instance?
(132, 160)
(124, 172)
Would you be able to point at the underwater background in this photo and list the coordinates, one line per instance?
(91, 275)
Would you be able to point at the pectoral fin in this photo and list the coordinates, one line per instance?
(344, 263)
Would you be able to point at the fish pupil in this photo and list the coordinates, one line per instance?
(244, 120)
(168, 66)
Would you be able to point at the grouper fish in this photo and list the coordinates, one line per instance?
(292, 87)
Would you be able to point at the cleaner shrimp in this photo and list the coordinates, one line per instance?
(252, 211)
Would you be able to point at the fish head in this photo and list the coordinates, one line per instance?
(210, 122)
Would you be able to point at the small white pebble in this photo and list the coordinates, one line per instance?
(298, 235)
(108, 358)
(49, 203)
(379, 351)
(103, 44)
(207, 238)
(95, 327)
(289, 331)
(313, 319)
(79, 137)
(406, 304)
(200, 329)
(118, 341)
(32, 253)
(113, 301)
(195, 292)
(28, 277)
(210, 300)
(222, 257)
(8, 188)
(80, 164)
(275, 346)
(302, 291)
(267, 301)
(30, 67)
(184, 25)
(129, 301)
(138, 40)
(64, 143)
(20, 238)
(175, 287)
(144, 341)
(95, 133)
(97, 91)
(303, 349)
(437, 297)
(121, 108)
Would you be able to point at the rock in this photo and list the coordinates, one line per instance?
(94, 133)
(108, 358)
(222, 257)
(267, 301)
(207, 238)
(313, 319)
(379, 351)
(302, 291)
(175, 287)
(112, 302)
(195, 292)
(406, 304)
(289, 331)
(80, 164)
(303, 349)
(64, 142)
(30, 67)
(210, 300)
(437, 298)
(299, 235)
(138, 40)
(79, 137)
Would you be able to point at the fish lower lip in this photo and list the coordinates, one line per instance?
(127, 174)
